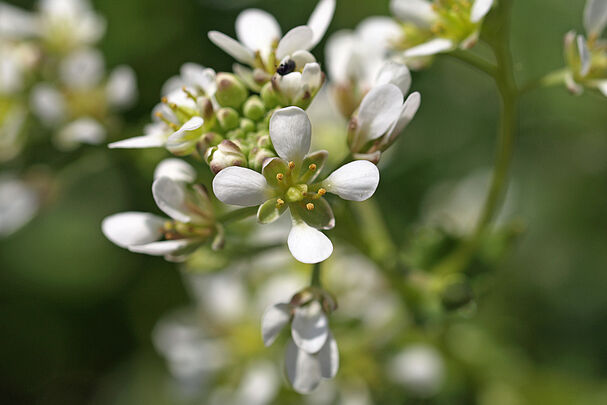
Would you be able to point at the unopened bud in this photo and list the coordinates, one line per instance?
(258, 156)
(236, 134)
(231, 92)
(269, 96)
(254, 108)
(226, 154)
(247, 125)
(228, 118)
(205, 106)
(207, 140)
(264, 141)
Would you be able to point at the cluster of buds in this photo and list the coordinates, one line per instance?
(311, 353)
(192, 220)
(50, 68)
(432, 27)
(586, 57)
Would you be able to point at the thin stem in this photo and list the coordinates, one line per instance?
(475, 61)
(554, 78)
(237, 215)
(315, 280)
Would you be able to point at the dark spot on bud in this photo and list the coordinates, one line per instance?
(286, 68)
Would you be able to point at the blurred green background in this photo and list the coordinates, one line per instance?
(76, 312)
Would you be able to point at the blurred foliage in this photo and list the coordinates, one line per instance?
(77, 312)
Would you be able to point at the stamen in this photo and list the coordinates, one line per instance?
(188, 93)
(286, 68)
(312, 167)
(309, 206)
(164, 100)
(166, 121)
(291, 165)
(280, 176)
(321, 192)
(279, 203)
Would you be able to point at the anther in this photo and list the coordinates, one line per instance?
(279, 203)
(322, 191)
(164, 100)
(312, 167)
(188, 93)
(309, 206)
(286, 68)
(280, 176)
(291, 165)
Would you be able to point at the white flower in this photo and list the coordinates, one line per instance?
(11, 124)
(82, 69)
(84, 130)
(383, 112)
(121, 87)
(312, 353)
(16, 23)
(196, 78)
(436, 27)
(419, 368)
(260, 44)
(68, 24)
(192, 225)
(18, 204)
(47, 102)
(585, 55)
(290, 182)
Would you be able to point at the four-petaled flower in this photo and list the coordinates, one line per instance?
(290, 182)
(193, 221)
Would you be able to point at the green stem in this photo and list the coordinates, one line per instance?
(506, 84)
(237, 215)
(475, 61)
(554, 78)
(315, 280)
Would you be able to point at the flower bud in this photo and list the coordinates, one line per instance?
(247, 125)
(264, 141)
(228, 118)
(205, 106)
(207, 140)
(257, 157)
(269, 96)
(236, 134)
(254, 108)
(226, 154)
(231, 92)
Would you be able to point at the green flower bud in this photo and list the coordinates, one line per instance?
(205, 105)
(226, 154)
(247, 125)
(264, 141)
(207, 140)
(231, 92)
(269, 96)
(254, 108)
(228, 118)
(257, 156)
(236, 134)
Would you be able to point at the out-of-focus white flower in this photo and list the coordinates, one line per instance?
(354, 59)
(289, 182)
(11, 80)
(383, 113)
(16, 23)
(586, 57)
(69, 24)
(222, 295)
(11, 123)
(312, 353)
(84, 130)
(82, 69)
(121, 87)
(193, 221)
(260, 44)
(259, 385)
(49, 105)
(419, 368)
(18, 204)
(431, 27)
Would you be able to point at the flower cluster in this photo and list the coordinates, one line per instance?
(586, 56)
(50, 68)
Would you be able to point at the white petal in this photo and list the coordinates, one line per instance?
(298, 38)
(240, 186)
(291, 132)
(311, 77)
(145, 141)
(18, 204)
(83, 130)
(17, 23)
(320, 19)
(273, 321)
(290, 85)
(257, 29)
(329, 358)
(194, 75)
(132, 228)
(302, 58)
(310, 327)
(82, 69)
(175, 169)
(407, 113)
(232, 47)
(429, 48)
(379, 31)
(307, 244)
(165, 247)
(338, 53)
(378, 111)
(121, 88)
(303, 369)
(584, 55)
(396, 74)
(48, 103)
(480, 8)
(595, 16)
(419, 12)
(602, 86)
(170, 196)
(355, 181)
